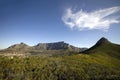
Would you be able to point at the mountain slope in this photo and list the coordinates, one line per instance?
(17, 49)
(101, 62)
(51, 46)
(55, 46)
(105, 46)
(20, 46)
(42, 48)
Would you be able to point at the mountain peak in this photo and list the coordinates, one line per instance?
(22, 43)
(102, 40)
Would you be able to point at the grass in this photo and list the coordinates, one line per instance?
(74, 67)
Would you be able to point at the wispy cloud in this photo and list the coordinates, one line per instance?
(99, 19)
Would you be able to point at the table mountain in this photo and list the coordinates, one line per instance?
(55, 47)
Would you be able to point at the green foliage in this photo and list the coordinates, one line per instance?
(74, 67)
(107, 48)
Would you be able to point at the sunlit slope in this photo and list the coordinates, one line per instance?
(105, 47)
(74, 67)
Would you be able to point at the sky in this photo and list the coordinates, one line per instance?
(78, 22)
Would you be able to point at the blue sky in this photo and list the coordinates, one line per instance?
(78, 22)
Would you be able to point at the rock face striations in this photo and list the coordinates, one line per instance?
(51, 46)
(56, 46)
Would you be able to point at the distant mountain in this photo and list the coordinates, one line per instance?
(51, 46)
(16, 49)
(105, 46)
(21, 46)
(55, 47)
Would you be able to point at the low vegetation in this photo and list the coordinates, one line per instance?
(73, 67)
(100, 62)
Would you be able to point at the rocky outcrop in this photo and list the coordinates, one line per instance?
(56, 46)
(51, 46)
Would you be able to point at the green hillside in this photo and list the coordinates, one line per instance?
(74, 67)
(105, 47)
(100, 62)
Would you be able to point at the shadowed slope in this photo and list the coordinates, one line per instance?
(105, 46)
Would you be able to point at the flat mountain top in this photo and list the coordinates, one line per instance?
(40, 48)
(51, 46)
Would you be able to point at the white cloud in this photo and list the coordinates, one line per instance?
(99, 19)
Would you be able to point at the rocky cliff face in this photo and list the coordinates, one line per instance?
(55, 46)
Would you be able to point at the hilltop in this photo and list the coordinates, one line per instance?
(104, 46)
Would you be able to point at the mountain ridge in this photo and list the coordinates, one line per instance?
(104, 47)
(42, 48)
